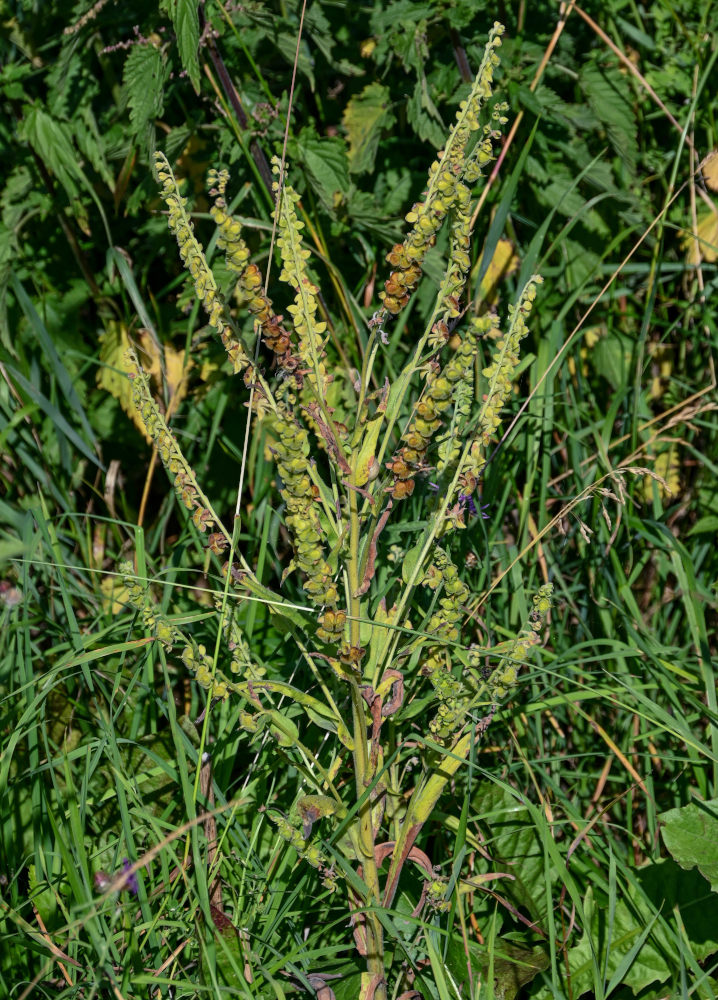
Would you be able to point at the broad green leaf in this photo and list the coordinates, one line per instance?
(186, 25)
(513, 965)
(42, 896)
(365, 117)
(611, 357)
(325, 160)
(409, 563)
(52, 142)
(144, 77)
(424, 117)
(691, 836)
(515, 847)
(705, 525)
(609, 97)
(662, 889)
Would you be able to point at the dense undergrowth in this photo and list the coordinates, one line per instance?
(371, 491)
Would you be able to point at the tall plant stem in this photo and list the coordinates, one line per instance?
(362, 770)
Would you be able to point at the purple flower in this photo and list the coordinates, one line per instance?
(467, 502)
(131, 885)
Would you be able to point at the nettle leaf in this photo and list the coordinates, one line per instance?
(319, 30)
(52, 141)
(365, 117)
(144, 76)
(547, 102)
(286, 43)
(185, 20)
(609, 97)
(393, 191)
(424, 117)
(325, 160)
(691, 836)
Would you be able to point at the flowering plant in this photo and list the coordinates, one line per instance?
(372, 651)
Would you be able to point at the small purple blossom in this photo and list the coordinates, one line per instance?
(131, 885)
(467, 502)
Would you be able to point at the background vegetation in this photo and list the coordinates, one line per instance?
(594, 794)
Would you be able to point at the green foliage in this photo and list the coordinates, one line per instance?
(143, 76)
(689, 834)
(551, 834)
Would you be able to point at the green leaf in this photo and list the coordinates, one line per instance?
(424, 117)
(367, 453)
(705, 525)
(283, 728)
(684, 905)
(42, 896)
(516, 848)
(325, 160)
(691, 836)
(52, 142)
(55, 364)
(610, 100)
(365, 117)
(144, 77)
(409, 563)
(186, 24)
(513, 965)
(57, 420)
(611, 357)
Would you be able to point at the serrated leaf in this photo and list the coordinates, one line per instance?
(325, 160)
(112, 373)
(365, 116)
(52, 142)
(419, 112)
(166, 366)
(186, 24)
(691, 836)
(610, 100)
(144, 78)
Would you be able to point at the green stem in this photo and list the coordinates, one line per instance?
(362, 769)
(421, 805)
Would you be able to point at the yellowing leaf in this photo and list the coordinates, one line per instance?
(115, 595)
(112, 375)
(503, 263)
(667, 466)
(709, 169)
(703, 244)
(175, 372)
(365, 116)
